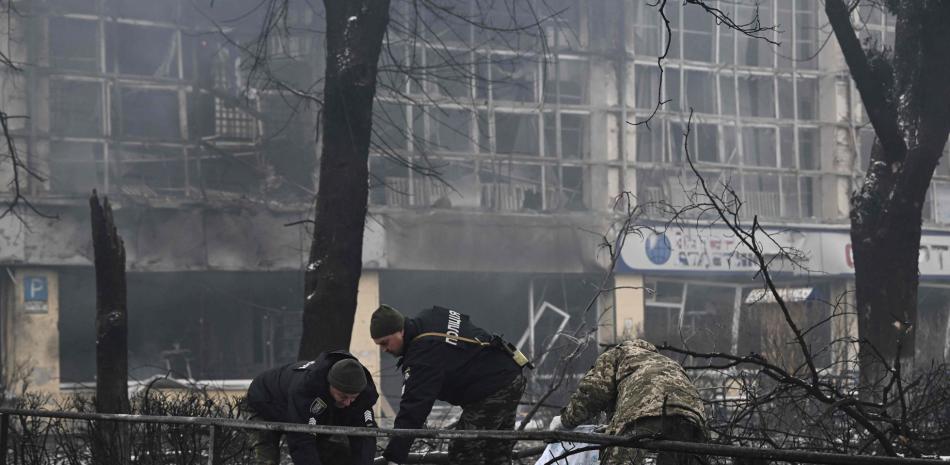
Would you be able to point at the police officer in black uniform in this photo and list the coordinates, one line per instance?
(445, 357)
(335, 389)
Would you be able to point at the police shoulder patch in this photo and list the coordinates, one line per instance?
(318, 407)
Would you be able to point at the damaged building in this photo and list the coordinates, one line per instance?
(213, 177)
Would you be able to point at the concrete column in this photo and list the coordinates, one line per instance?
(31, 339)
(361, 345)
(628, 306)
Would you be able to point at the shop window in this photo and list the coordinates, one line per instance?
(75, 108)
(141, 50)
(73, 44)
(516, 133)
(763, 329)
(707, 318)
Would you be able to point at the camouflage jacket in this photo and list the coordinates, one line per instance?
(633, 380)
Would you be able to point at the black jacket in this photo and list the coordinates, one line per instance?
(299, 393)
(443, 368)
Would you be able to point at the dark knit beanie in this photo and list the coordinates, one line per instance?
(386, 320)
(348, 376)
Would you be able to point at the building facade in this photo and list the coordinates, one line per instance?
(497, 160)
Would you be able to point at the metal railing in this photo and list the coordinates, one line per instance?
(643, 442)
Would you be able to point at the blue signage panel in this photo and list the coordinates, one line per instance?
(35, 289)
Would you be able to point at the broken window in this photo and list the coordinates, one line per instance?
(646, 29)
(510, 186)
(389, 127)
(451, 130)
(75, 108)
(758, 146)
(567, 82)
(761, 195)
(147, 113)
(790, 197)
(650, 143)
(516, 133)
(166, 10)
(807, 98)
(388, 181)
(450, 72)
(764, 330)
(573, 140)
(73, 44)
(701, 91)
(756, 96)
(514, 78)
(707, 317)
(141, 50)
(76, 167)
(809, 155)
(647, 83)
(697, 34)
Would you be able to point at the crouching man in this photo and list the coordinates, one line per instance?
(444, 356)
(332, 390)
(647, 392)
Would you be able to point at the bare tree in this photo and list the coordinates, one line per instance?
(907, 98)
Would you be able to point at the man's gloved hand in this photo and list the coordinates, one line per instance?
(556, 424)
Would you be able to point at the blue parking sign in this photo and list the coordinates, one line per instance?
(35, 294)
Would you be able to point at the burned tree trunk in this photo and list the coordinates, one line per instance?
(354, 37)
(111, 333)
(907, 97)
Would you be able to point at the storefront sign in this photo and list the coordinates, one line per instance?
(719, 250)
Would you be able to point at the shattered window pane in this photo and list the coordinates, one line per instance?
(388, 181)
(73, 44)
(75, 108)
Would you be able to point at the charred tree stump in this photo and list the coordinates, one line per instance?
(111, 439)
(354, 37)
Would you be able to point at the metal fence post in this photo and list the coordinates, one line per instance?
(4, 429)
(210, 445)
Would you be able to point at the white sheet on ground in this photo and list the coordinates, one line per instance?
(588, 457)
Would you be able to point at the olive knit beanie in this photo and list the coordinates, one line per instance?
(348, 376)
(385, 321)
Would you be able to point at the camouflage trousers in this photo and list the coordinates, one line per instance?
(496, 411)
(673, 427)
